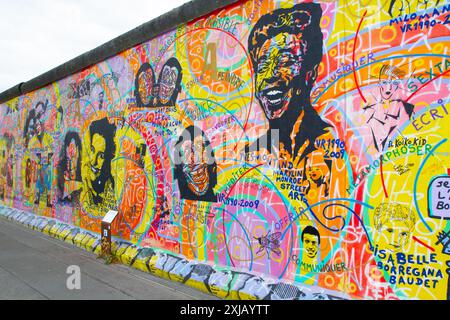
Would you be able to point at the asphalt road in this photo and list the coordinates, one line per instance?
(34, 266)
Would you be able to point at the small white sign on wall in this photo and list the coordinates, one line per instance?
(110, 216)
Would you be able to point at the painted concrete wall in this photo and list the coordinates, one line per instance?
(304, 142)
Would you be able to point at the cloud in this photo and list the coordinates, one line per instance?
(39, 35)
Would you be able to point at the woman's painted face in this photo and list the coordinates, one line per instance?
(315, 173)
(195, 167)
(388, 86)
(96, 156)
(168, 83)
(394, 236)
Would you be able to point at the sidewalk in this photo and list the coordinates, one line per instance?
(33, 266)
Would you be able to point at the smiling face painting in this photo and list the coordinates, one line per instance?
(279, 60)
(286, 48)
(97, 155)
(196, 168)
(99, 149)
(311, 242)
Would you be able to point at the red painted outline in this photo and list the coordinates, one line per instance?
(353, 57)
(424, 85)
(448, 171)
(422, 243)
(382, 177)
(223, 212)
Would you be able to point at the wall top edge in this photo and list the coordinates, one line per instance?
(185, 13)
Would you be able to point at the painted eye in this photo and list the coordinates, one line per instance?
(403, 234)
(102, 156)
(390, 230)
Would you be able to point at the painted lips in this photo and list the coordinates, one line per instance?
(197, 172)
(197, 175)
(273, 98)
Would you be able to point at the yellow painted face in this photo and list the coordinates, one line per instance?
(311, 244)
(96, 156)
(279, 61)
(394, 236)
(315, 173)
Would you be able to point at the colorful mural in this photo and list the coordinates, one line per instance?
(302, 142)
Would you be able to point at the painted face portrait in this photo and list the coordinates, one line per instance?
(311, 242)
(393, 224)
(388, 86)
(69, 168)
(29, 130)
(98, 151)
(96, 155)
(315, 173)
(285, 47)
(169, 82)
(389, 80)
(278, 62)
(39, 119)
(196, 166)
(394, 236)
(144, 86)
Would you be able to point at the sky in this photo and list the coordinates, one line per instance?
(38, 35)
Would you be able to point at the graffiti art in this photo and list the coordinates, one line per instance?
(301, 141)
